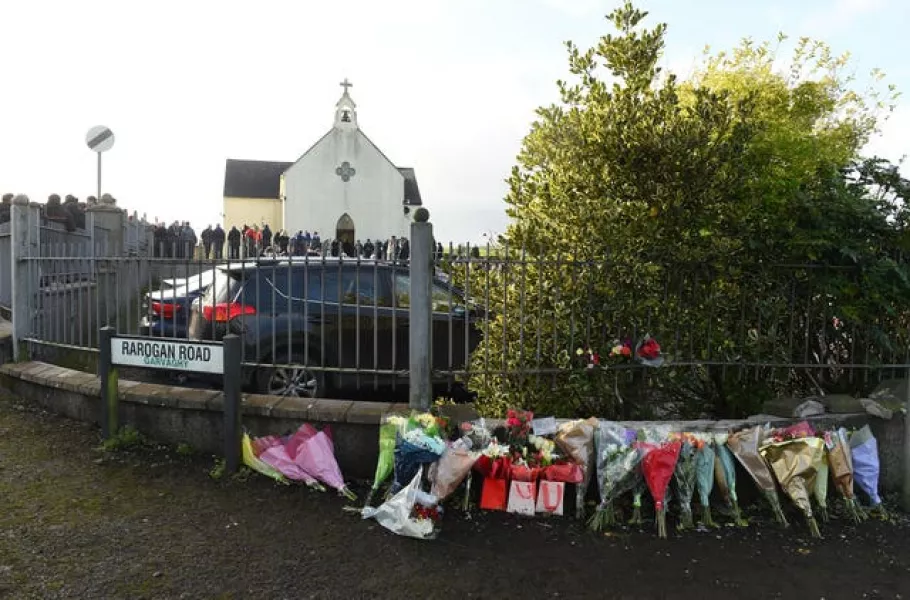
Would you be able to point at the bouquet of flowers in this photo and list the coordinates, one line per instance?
(412, 450)
(281, 454)
(704, 479)
(518, 427)
(821, 488)
(576, 441)
(654, 435)
(388, 433)
(840, 462)
(648, 352)
(864, 451)
(617, 470)
(621, 351)
(316, 456)
(658, 463)
(725, 476)
(410, 512)
(252, 460)
(684, 477)
(451, 469)
(744, 445)
(794, 464)
(494, 461)
(431, 425)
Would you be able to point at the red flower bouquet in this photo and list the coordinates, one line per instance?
(657, 465)
(648, 352)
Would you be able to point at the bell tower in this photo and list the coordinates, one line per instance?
(346, 109)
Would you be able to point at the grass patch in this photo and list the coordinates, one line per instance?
(128, 438)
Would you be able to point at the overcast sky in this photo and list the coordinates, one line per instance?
(445, 86)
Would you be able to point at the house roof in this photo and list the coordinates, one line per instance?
(253, 178)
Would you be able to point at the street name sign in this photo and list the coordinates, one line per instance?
(173, 355)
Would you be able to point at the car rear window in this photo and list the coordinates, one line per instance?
(224, 288)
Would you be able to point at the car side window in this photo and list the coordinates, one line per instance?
(313, 284)
(360, 287)
(443, 300)
(268, 291)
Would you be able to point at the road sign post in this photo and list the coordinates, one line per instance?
(232, 412)
(174, 355)
(110, 383)
(99, 139)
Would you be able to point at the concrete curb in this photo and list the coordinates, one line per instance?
(174, 415)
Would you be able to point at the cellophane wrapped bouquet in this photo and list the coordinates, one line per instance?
(410, 512)
(392, 427)
(745, 447)
(617, 470)
(704, 477)
(840, 463)
(575, 440)
(420, 444)
(658, 462)
(684, 477)
(725, 477)
(794, 462)
(866, 467)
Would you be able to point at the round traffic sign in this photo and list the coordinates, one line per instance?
(99, 139)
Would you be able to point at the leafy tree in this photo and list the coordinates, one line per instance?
(642, 204)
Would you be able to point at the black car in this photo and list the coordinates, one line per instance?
(330, 327)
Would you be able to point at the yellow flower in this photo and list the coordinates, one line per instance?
(579, 352)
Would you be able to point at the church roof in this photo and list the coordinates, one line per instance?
(411, 191)
(253, 178)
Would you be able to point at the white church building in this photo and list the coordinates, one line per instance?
(343, 187)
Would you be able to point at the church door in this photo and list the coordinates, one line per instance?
(344, 233)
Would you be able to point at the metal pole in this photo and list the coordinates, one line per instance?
(420, 319)
(108, 375)
(99, 177)
(906, 461)
(232, 410)
(21, 283)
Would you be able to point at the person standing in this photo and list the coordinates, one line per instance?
(217, 238)
(404, 250)
(207, 241)
(234, 243)
(266, 237)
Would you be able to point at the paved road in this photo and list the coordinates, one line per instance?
(151, 523)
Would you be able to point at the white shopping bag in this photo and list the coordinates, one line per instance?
(550, 496)
(521, 497)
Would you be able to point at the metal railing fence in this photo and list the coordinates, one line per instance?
(503, 323)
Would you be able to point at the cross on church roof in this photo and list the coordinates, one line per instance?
(346, 84)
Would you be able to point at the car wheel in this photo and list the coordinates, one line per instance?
(294, 381)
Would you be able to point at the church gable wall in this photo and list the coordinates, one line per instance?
(317, 193)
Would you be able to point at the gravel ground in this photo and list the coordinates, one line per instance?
(150, 522)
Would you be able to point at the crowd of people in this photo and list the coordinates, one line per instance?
(179, 240)
(69, 212)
